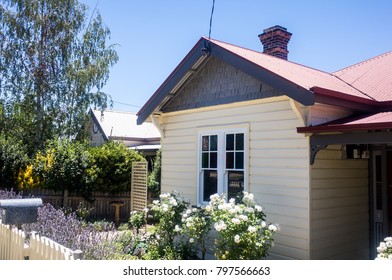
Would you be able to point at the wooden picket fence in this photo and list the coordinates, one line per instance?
(13, 246)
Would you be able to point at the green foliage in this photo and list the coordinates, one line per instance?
(76, 167)
(12, 158)
(137, 220)
(112, 166)
(54, 61)
(154, 178)
(64, 166)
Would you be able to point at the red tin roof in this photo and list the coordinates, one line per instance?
(376, 121)
(366, 86)
(373, 77)
(303, 76)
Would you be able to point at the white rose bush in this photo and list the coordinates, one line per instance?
(384, 250)
(181, 230)
(243, 233)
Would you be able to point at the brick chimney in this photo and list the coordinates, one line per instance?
(275, 40)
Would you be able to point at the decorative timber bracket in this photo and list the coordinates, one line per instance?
(314, 149)
(319, 142)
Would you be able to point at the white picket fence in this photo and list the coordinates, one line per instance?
(13, 247)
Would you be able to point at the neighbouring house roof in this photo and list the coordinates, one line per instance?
(116, 125)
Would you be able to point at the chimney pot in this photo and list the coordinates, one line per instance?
(275, 40)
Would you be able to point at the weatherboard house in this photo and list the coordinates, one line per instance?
(121, 126)
(315, 148)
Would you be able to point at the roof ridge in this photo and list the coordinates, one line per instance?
(364, 61)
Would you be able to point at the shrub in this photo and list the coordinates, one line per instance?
(154, 178)
(111, 167)
(76, 167)
(196, 224)
(243, 232)
(385, 249)
(13, 157)
(69, 231)
(64, 166)
(166, 242)
(9, 194)
(137, 219)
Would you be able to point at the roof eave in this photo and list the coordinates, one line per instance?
(172, 81)
(340, 99)
(345, 128)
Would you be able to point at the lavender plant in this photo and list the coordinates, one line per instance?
(68, 230)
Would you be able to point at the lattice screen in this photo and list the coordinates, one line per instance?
(139, 185)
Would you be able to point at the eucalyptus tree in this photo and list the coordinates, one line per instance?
(55, 58)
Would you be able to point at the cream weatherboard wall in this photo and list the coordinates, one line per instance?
(339, 206)
(278, 162)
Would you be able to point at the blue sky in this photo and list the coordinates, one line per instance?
(153, 36)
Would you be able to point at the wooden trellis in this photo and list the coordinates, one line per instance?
(139, 186)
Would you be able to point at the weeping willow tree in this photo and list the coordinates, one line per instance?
(54, 62)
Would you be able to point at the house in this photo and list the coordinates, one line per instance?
(315, 148)
(121, 126)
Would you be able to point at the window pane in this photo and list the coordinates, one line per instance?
(205, 143)
(239, 141)
(239, 160)
(213, 160)
(214, 143)
(229, 142)
(235, 183)
(230, 160)
(204, 160)
(210, 183)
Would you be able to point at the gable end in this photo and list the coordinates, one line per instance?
(218, 83)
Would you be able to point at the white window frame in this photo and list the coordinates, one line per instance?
(221, 160)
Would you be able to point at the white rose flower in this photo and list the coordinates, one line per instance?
(177, 228)
(272, 228)
(263, 224)
(243, 217)
(191, 240)
(252, 229)
(237, 238)
(236, 221)
(258, 208)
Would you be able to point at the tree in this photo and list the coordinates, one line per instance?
(54, 61)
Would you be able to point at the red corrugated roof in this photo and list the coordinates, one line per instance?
(381, 120)
(368, 82)
(372, 77)
(301, 75)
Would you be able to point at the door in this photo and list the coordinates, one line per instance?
(381, 196)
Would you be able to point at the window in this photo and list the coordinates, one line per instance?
(222, 163)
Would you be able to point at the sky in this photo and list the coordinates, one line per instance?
(153, 36)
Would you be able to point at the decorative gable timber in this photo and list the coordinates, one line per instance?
(215, 84)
